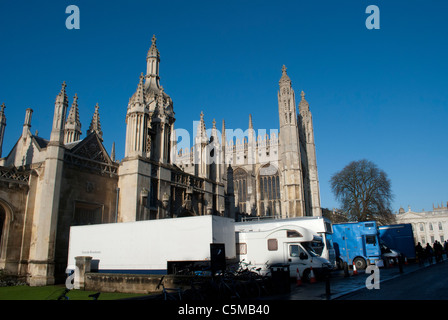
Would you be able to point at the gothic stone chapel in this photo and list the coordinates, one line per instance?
(48, 185)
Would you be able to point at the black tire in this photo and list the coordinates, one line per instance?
(360, 263)
(306, 276)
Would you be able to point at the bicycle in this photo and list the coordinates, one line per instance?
(170, 294)
(196, 290)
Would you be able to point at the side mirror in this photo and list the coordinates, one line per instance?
(303, 256)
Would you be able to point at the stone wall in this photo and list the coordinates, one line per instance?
(132, 283)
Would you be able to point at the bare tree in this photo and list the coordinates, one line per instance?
(364, 192)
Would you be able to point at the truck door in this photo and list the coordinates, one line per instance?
(371, 246)
(293, 252)
(345, 250)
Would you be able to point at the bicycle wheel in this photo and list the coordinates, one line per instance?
(253, 289)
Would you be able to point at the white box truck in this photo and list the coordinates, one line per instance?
(151, 246)
(322, 226)
(285, 245)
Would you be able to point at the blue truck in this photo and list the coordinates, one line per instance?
(399, 237)
(356, 243)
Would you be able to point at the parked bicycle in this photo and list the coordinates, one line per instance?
(171, 294)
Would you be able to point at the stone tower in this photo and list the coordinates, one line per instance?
(43, 237)
(290, 164)
(149, 140)
(308, 150)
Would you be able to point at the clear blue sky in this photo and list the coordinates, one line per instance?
(374, 94)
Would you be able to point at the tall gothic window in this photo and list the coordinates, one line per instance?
(2, 223)
(269, 187)
(240, 183)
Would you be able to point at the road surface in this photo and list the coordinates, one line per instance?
(430, 283)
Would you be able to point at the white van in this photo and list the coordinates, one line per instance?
(321, 225)
(288, 244)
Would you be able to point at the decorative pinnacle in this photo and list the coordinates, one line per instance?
(64, 85)
(302, 94)
(154, 39)
(3, 107)
(284, 78)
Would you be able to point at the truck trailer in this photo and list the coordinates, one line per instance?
(399, 237)
(357, 243)
(152, 246)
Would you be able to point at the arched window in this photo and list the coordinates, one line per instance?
(269, 188)
(240, 183)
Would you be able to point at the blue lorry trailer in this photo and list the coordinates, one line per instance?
(357, 243)
(399, 237)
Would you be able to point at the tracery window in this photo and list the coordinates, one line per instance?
(240, 183)
(269, 188)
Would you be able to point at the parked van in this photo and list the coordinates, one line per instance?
(320, 225)
(288, 244)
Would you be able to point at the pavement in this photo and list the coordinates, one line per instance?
(340, 285)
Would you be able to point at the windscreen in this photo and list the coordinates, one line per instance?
(310, 248)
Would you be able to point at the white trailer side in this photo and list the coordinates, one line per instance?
(147, 246)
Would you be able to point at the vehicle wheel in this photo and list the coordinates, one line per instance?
(360, 263)
(340, 264)
(306, 276)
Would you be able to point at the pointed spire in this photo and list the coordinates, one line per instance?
(285, 78)
(201, 132)
(95, 125)
(152, 67)
(303, 104)
(251, 126)
(214, 132)
(62, 94)
(153, 51)
(73, 125)
(60, 110)
(27, 123)
(112, 153)
(202, 123)
(2, 126)
(28, 114)
(73, 115)
(140, 96)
